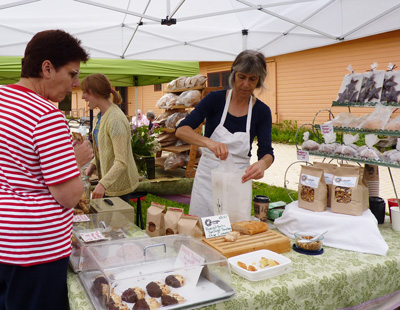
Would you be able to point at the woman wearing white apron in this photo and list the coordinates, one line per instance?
(233, 119)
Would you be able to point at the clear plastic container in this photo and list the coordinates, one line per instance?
(113, 226)
(112, 268)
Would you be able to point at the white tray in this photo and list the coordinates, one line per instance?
(253, 258)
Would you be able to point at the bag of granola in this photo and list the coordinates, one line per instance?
(155, 220)
(312, 189)
(171, 219)
(328, 175)
(349, 191)
(190, 225)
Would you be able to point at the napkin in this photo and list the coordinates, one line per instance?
(346, 232)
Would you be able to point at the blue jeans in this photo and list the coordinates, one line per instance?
(42, 286)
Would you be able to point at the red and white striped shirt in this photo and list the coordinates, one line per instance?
(35, 152)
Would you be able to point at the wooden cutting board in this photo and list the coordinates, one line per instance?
(268, 240)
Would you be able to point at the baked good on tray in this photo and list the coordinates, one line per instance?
(172, 299)
(133, 294)
(175, 280)
(146, 304)
(232, 236)
(250, 227)
(100, 286)
(157, 289)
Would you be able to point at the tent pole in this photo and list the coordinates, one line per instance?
(245, 33)
(137, 105)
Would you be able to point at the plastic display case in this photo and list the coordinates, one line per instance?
(113, 268)
(99, 206)
(112, 226)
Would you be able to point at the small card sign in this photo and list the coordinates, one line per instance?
(80, 218)
(217, 225)
(326, 129)
(186, 257)
(192, 264)
(92, 236)
(302, 155)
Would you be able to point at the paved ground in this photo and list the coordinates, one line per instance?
(287, 167)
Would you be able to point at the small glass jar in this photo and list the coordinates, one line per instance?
(86, 187)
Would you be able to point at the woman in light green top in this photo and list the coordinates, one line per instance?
(113, 161)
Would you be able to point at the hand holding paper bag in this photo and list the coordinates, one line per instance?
(230, 195)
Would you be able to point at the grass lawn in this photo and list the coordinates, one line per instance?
(273, 192)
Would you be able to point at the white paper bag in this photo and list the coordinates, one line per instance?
(230, 195)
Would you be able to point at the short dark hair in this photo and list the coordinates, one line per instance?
(57, 46)
(249, 62)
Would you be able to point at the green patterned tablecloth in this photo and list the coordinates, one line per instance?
(333, 280)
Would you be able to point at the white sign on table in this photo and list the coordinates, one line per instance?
(217, 225)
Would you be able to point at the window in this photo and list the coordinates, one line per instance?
(217, 79)
(157, 87)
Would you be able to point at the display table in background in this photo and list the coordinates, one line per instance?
(336, 279)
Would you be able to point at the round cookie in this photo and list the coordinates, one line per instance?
(175, 280)
(157, 289)
(146, 304)
(172, 299)
(133, 294)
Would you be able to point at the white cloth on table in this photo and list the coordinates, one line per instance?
(346, 232)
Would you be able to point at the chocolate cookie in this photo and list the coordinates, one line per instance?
(157, 289)
(133, 294)
(146, 304)
(100, 286)
(172, 299)
(175, 280)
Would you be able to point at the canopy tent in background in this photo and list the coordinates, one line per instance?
(121, 72)
(206, 30)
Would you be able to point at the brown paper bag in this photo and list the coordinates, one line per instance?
(328, 175)
(312, 189)
(349, 192)
(155, 220)
(171, 220)
(190, 225)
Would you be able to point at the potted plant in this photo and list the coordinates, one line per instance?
(144, 147)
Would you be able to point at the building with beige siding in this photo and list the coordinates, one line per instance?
(298, 85)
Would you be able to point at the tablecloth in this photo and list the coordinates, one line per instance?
(348, 232)
(335, 279)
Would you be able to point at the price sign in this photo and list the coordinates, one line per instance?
(217, 225)
(326, 129)
(92, 236)
(302, 155)
(80, 218)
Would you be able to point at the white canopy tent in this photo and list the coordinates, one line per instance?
(196, 30)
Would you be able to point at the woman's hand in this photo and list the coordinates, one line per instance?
(99, 191)
(83, 152)
(90, 169)
(254, 171)
(219, 149)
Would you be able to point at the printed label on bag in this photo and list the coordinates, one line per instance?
(345, 181)
(309, 180)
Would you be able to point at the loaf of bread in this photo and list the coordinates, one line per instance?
(250, 227)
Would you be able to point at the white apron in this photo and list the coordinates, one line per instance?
(201, 201)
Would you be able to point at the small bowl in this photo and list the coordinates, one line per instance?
(309, 246)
